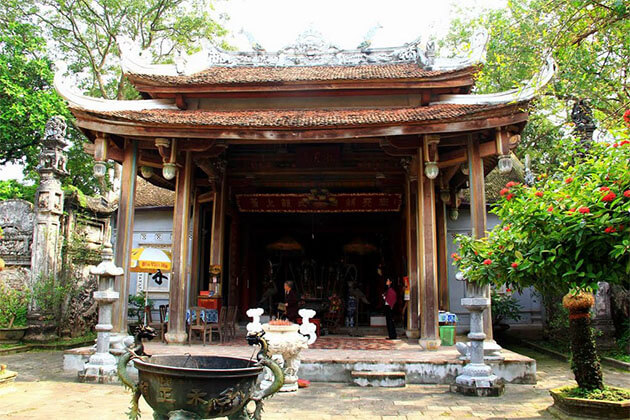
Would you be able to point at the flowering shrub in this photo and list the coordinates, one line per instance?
(568, 232)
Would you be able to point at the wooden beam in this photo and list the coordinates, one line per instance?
(478, 211)
(218, 219)
(124, 234)
(179, 248)
(180, 101)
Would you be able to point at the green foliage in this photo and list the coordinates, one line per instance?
(590, 43)
(87, 34)
(13, 306)
(11, 189)
(504, 306)
(136, 305)
(608, 393)
(78, 254)
(52, 296)
(568, 232)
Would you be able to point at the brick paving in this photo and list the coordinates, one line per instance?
(43, 391)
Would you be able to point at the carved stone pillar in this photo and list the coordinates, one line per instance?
(47, 238)
(602, 318)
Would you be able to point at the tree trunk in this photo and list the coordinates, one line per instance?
(584, 359)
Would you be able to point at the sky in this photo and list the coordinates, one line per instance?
(274, 24)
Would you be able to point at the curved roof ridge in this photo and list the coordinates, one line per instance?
(526, 93)
(76, 99)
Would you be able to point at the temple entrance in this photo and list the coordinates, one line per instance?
(338, 262)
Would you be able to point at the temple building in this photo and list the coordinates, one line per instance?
(335, 169)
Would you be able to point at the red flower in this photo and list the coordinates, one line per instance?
(455, 256)
(504, 191)
(610, 229)
(615, 145)
(572, 210)
(487, 261)
(514, 265)
(609, 197)
(626, 116)
(506, 228)
(584, 210)
(511, 184)
(509, 197)
(550, 209)
(626, 193)
(476, 253)
(603, 189)
(538, 193)
(568, 180)
(624, 142)
(508, 289)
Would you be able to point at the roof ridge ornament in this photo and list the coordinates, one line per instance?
(309, 49)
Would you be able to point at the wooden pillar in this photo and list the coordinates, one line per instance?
(411, 209)
(478, 212)
(195, 261)
(124, 234)
(427, 257)
(234, 260)
(181, 217)
(218, 218)
(442, 242)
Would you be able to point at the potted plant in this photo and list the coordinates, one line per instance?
(567, 233)
(13, 309)
(504, 306)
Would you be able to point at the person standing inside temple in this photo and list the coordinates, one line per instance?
(390, 301)
(291, 301)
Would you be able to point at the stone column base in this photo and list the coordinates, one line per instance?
(474, 391)
(414, 334)
(176, 337)
(430, 344)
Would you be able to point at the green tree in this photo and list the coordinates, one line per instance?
(566, 234)
(588, 39)
(86, 35)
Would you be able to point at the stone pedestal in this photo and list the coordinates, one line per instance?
(285, 344)
(101, 367)
(476, 378)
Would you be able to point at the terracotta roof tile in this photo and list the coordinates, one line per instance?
(310, 118)
(270, 75)
(149, 195)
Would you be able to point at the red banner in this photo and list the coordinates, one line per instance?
(318, 202)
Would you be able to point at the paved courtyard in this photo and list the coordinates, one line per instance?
(44, 391)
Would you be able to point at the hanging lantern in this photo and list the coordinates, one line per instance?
(505, 164)
(431, 170)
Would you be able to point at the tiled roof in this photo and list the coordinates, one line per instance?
(307, 118)
(149, 195)
(269, 75)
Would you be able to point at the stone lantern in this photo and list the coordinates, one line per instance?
(477, 378)
(102, 365)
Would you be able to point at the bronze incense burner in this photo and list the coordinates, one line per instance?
(199, 387)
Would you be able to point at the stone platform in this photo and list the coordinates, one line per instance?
(337, 357)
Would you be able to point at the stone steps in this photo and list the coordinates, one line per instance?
(392, 379)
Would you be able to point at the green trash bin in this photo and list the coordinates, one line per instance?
(447, 334)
